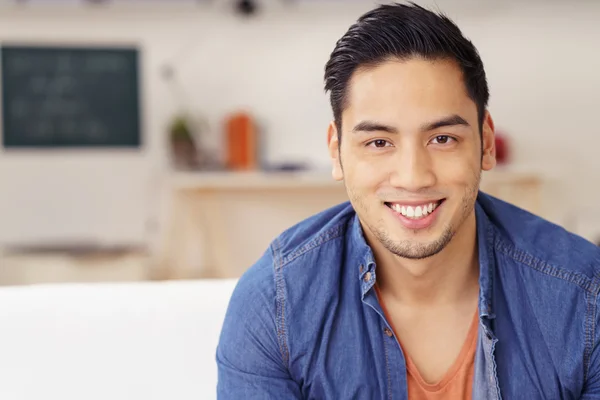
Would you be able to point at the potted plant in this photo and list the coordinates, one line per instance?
(183, 146)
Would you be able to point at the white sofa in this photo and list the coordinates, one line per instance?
(122, 341)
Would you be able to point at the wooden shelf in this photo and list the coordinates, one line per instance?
(255, 180)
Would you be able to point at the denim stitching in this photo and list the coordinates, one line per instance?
(280, 262)
(591, 286)
(387, 368)
(586, 352)
(491, 264)
(590, 329)
(331, 234)
(281, 334)
(525, 258)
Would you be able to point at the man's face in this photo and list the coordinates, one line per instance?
(410, 153)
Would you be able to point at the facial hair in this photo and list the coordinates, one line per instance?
(416, 250)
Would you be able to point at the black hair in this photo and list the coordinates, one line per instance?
(402, 31)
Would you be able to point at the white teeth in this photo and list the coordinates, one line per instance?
(414, 212)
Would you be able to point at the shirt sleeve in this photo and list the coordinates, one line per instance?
(249, 356)
(591, 390)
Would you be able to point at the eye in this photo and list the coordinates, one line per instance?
(442, 139)
(380, 143)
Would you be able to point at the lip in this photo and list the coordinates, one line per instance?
(415, 202)
(421, 223)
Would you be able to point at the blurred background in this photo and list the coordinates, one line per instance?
(173, 139)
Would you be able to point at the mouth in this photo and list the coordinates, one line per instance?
(415, 211)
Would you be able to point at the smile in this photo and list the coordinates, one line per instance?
(414, 211)
(415, 215)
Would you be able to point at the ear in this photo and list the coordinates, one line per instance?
(488, 159)
(334, 152)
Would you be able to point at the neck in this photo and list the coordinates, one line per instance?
(449, 277)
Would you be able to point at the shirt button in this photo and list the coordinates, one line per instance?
(367, 276)
(388, 332)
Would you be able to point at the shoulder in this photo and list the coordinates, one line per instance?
(539, 243)
(557, 274)
(312, 235)
(262, 298)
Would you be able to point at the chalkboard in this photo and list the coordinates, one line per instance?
(70, 97)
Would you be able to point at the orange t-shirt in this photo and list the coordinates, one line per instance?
(456, 384)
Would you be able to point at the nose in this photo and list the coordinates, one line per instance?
(412, 169)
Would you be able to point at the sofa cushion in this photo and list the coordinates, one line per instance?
(130, 341)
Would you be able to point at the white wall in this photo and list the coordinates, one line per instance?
(541, 59)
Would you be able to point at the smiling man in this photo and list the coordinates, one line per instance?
(421, 287)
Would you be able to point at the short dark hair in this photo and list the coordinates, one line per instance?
(402, 31)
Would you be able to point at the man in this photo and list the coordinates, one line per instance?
(421, 287)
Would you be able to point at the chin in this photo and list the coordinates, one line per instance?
(417, 247)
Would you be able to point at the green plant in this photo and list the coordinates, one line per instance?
(180, 129)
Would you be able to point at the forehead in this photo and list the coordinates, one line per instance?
(413, 89)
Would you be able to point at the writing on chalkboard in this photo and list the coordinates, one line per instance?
(70, 97)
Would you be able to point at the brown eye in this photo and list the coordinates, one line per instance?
(378, 143)
(442, 139)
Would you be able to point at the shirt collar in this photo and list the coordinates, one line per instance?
(365, 260)
(487, 263)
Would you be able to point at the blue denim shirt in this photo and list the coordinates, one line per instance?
(304, 321)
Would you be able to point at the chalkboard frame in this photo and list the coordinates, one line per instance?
(135, 140)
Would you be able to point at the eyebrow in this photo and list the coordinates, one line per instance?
(372, 126)
(452, 120)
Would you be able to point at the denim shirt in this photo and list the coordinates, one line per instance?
(304, 322)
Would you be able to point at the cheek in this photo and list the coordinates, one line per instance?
(364, 175)
(458, 170)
